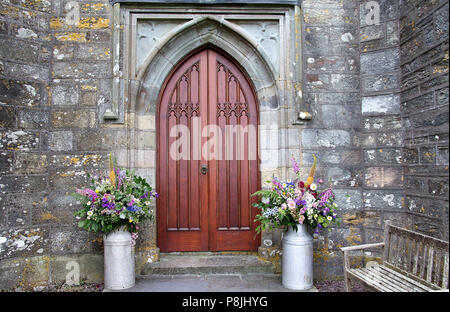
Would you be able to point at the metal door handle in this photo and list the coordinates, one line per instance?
(204, 169)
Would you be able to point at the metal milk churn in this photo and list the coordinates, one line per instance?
(119, 260)
(297, 259)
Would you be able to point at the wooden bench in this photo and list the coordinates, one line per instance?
(411, 262)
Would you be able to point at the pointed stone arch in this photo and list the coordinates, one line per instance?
(193, 35)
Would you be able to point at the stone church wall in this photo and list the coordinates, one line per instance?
(377, 94)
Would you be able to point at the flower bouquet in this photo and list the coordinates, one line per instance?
(293, 202)
(296, 205)
(120, 199)
(114, 205)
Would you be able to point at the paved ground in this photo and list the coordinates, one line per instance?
(211, 283)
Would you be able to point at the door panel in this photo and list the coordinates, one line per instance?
(211, 211)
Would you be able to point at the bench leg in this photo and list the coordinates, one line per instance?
(346, 277)
(348, 286)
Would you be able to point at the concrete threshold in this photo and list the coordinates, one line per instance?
(207, 263)
(210, 283)
(209, 272)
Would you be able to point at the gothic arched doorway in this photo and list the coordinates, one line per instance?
(207, 162)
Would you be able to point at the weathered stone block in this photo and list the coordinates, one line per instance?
(88, 160)
(19, 50)
(21, 207)
(60, 141)
(71, 241)
(23, 242)
(387, 200)
(6, 163)
(380, 82)
(383, 156)
(81, 70)
(326, 64)
(26, 163)
(348, 199)
(384, 177)
(31, 119)
(26, 71)
(380, 62)
(64, 95)
(345, 177)
(101, 140)
(381, 104)
(63, 52)
(427, 155)
(7, 117)
(68, 179)
(19, 140)
(344, 82)
(442, 157)
(88, 99)
(410, 155)
(94, 52)
(325, 138)
(70, 119)
(372, 32)
(19, 93)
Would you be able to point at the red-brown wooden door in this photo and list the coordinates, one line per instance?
(208, 98)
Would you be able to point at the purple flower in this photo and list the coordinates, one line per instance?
(88, 193)
(277, 184)
(133, 208)
(300, 202)
(107, 202)
(295, 165)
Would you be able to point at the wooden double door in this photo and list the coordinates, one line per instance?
(207, 164)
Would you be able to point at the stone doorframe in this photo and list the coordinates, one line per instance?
(150, 41)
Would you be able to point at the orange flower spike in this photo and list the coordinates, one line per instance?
(112, 175)
(311, 172)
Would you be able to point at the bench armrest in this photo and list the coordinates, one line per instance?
(359, 247)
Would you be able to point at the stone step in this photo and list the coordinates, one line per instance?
(207, 263)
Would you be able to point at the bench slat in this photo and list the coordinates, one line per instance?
(445, 273)
(406, 278)
(437, 267)
(419, 237)
(416, 258)
(410, 276)
(369, 281)
(387, 278)
(401, 280)
(409, 246)
(430, 263)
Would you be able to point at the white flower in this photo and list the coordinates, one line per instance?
(313, 186)
(334, 204)
(90, 213)
(315, 216)
(89, 203)
(329, 218)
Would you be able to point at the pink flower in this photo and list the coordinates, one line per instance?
(301, 219)
(291, 203)
(295, 165)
